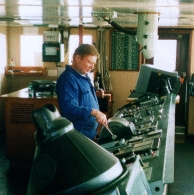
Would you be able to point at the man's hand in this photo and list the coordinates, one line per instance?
(100, 117)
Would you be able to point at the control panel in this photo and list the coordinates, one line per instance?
(144, 124)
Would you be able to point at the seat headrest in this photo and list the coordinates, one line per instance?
(49, 123)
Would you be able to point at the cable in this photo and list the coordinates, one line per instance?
(115, 25)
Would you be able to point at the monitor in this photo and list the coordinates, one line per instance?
(53, 52)
(149, 77)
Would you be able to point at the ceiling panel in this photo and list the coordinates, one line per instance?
(171, 13)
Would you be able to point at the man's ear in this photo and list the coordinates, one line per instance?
(77, 58)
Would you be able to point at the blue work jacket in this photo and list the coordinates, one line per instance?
(76, 99)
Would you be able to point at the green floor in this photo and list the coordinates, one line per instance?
(184, 169)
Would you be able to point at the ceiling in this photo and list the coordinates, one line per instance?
(90, 13)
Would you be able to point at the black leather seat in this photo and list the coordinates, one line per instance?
(66, 161)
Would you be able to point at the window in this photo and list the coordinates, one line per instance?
(3, 50)
(165, 56)
(31, 50)
(74, 43)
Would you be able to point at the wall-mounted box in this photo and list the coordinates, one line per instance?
(53, 52)
(51, 36)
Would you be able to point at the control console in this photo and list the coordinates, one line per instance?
(141, 127)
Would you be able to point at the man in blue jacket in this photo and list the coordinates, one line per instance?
(76, 95)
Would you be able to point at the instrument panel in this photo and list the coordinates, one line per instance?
(143, 128)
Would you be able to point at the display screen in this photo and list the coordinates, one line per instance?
(149, 77)
(53, 52)
(50, 51)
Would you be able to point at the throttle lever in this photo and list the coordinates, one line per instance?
(113, 136)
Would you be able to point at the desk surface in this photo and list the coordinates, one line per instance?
(22, 93)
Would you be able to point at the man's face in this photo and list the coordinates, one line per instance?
(86, 64)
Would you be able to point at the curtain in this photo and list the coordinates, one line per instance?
(102, 66)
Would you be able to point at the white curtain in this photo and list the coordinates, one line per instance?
(102, 66)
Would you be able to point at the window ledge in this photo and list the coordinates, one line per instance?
(25, 70)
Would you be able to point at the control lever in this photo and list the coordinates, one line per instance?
(113, 136)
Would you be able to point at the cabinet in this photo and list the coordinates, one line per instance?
(105, 100)
(19, 127)
(191, 116)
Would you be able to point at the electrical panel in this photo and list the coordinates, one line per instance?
(51, 36)
(53, 52)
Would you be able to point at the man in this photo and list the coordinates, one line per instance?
(76, 95)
